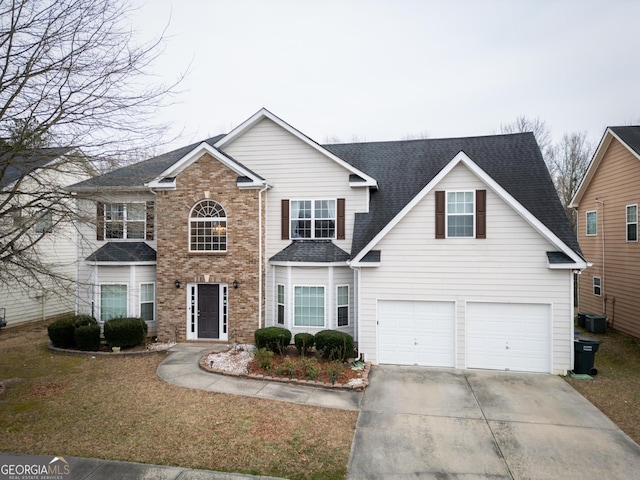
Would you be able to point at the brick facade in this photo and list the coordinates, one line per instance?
(207, 178)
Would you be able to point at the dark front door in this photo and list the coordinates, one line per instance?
(208, 311)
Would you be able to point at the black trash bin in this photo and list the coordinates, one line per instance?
(584, 355)
(582, 318)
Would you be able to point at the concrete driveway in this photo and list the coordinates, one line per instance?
(419, 422)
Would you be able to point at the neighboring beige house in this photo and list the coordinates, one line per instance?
(31, 182)
(607, 205)
(440, 252)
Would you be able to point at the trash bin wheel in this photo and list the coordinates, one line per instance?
(593, 371)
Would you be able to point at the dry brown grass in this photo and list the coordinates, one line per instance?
(615, 390)
(117, 408)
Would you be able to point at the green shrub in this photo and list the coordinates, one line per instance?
(264, 358)
(62, 332)
(334, 369)
(287, 367)
(275, 339)
(88, 337)
(304, 342)
(309, 367)
(125, 332)
(84, 320)
(334, 345)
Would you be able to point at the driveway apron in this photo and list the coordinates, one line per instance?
(418, 422)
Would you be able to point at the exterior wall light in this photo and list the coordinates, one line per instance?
(177, 283)
(235, 284)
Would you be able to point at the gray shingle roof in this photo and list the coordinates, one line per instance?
(315, 251)
(629, 135)
(404, 168)
(13, 166)
(123, 252)
(138, 174)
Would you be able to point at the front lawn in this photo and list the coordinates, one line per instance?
(118, 409)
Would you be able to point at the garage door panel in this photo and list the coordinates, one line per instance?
(505, 336)
(416, 333)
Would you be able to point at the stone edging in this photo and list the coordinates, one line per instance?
(203, 364)
(105, 354)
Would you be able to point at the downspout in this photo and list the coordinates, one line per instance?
(260, 252)
(357, 296)
(602, 281)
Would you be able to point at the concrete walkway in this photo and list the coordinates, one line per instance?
(181, 368)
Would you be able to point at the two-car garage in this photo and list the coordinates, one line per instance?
(497, 336)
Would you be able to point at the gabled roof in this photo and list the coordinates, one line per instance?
(404, 168)
(365, 180)
(135, 176)
(16, 166)
(628, 136)
(311, 251)
(123, 252)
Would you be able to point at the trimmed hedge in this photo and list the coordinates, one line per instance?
(304, 342)
(62, 332)
(275, 339)
(335, 345)
(125, 332)
(88, 337)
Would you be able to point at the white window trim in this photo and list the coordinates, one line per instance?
(293, 302)
(125, 221)
(100, 285)
(209, 219)
(586, 223)
(140, 302)
(348, 305)
(597, 286)
(446, 212)
(283, 304)
(313, 218)
(627, 223)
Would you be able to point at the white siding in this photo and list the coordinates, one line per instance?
(510, 265)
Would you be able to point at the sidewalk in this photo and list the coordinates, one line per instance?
(181, 368)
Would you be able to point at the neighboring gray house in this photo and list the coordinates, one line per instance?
(439, 252)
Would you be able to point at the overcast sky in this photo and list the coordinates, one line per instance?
(383, 70)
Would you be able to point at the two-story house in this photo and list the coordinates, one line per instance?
(445, 252)
(607, 206)
(36, 224)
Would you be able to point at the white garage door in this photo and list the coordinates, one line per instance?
(509, 336)
(416, 333)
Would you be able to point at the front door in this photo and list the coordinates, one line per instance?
(208, 310)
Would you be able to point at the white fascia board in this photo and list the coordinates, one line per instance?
(605, 141)
(462, 157)
(354, 264)
(567, 266)
(194, 155)
(119, 264)
(307, 264)
(264, 113)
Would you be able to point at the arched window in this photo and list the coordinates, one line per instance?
(207, 227)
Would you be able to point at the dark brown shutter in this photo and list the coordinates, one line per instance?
(150, 220)
(100, 221)
(284, 219)
(481, 214)
(340, 227)
(440, 214)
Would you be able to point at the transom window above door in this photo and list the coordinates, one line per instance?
(313, 219)
(208, 227)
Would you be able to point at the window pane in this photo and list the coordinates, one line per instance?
(136, 211)
(135, 229)
(280, 293)
(632, 232)
(113, 301)
(44, 224)
(325, 229)
(301, 229)
(592, 223)
(114, 230)
(460, 226)
(114, 212)
(343, 316)
(632, 214)
(309, 306)
(147, 293)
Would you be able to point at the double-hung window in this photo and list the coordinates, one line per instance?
(342, 305)
(147, 301)
(313, 219)
(308, 306)
(281, 304)
(113, 301)
(632, 223)
(124, 220)
(597, 286)
(592, 223)
(44, 222)
(460, 214)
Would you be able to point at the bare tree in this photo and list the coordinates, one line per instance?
(568, 163)
(70, 76)
(539, 129)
